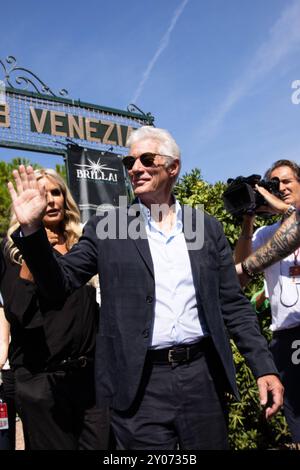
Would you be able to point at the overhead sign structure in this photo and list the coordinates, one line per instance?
(41, 121)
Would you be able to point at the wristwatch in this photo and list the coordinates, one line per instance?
(289, 211)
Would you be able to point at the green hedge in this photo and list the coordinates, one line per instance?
(247, 427)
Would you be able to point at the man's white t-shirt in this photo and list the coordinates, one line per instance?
(284, 294)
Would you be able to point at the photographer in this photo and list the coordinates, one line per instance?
(285, 241)
(283, 283)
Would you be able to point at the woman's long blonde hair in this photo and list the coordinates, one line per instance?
(71, 227)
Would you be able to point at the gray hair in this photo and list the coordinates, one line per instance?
(167, 144)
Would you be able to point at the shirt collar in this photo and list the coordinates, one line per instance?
(151, 224)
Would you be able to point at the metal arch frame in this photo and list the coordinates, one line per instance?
(42, 91)
(45, 92)
(10, 68)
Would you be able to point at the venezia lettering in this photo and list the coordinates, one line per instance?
(62, 124)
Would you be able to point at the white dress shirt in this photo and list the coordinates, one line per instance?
(176, 318)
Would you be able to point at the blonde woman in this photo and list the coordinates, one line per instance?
(52, 345)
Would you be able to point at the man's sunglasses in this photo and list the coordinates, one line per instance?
(146, 159)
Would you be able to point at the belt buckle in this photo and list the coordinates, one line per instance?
(170, 354)
(82, 361)
(186, 351)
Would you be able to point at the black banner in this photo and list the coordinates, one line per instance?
(94, 178)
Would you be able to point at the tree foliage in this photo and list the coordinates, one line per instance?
(61, 170)
(247, 427)
(6, 169)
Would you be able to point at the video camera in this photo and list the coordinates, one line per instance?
(241, 197)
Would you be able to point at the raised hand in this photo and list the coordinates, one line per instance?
(29, 199)
(276, 205)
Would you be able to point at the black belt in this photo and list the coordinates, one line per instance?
(70, 364)
(178, 353)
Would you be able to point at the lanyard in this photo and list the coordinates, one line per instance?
(3, 415)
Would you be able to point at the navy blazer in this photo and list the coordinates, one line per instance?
(128, 297)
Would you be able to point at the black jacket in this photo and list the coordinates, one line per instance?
(128, 296)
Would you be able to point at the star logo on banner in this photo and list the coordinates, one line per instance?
(96, 166)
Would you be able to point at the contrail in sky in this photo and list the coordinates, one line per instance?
(161, 47)
(283, 39)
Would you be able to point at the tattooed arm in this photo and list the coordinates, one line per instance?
(285, 240)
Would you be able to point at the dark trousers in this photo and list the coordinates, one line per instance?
(285, 347)
(58, 410)
(178, 406)
(7, 436)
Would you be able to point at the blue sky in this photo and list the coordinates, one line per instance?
(216, 73)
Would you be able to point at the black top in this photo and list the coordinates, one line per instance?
(44, 334)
